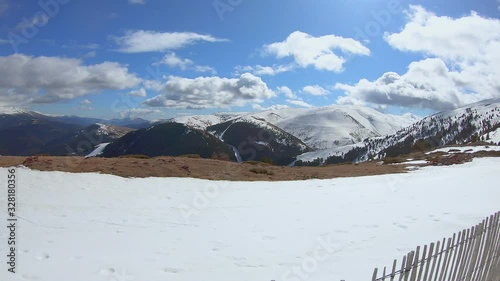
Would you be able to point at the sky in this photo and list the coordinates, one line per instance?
(158, 59)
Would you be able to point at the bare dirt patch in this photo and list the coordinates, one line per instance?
(223, 170)
(196, 168)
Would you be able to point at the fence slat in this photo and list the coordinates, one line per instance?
(475, 253)
(393, 274)
(447, 258)
(494, 230)
(482, 249)
(375, 274)
(486, 249)
(435, 261)
(419, 277)
(440, 253)
(403, 264)
(467, 255)
(409, 265)
(431, 251)
(414, 269)
(457, 256)
(494, 269)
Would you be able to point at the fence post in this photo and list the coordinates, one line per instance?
(375, 274)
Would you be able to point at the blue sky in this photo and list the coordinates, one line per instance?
(159, 59)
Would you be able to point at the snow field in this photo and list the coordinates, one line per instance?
(84, 227)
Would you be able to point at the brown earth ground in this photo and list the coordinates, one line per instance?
(223, 170)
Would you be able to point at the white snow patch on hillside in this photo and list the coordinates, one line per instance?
(325, 153)
(493, 137)
(98, 150)
(201, 122)
(413, 162)
(83, 227)
(466, 149)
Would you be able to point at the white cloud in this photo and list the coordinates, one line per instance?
(299, 102)
(315, 90)
(172, 60)
(91, 54)
(427, 84)
(86, 102)
(85, 105)
(138, 93)
(462, 65)
(27, 79)
(318, 52)
(140, 112)
(287, 92)
(459, 40)
(264, 70)
(205, 68)
(272, 107)
(142, 2)
(154, 85)
(211, 92)
(141, 41)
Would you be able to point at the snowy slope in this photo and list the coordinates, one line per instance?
(12, 110)
(98, 150)
(83, 227)
(202, 122)
(333, 126)
(319, 128)
(459, 126)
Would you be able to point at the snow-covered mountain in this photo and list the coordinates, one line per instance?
(254, 138)
(472, 123)
(319, 128)
(202, 122)
(334, 126)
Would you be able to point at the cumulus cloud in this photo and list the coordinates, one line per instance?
(85, 105)
(140, 112)
(299, 102)
(265, 70)
(172, 60)
(27, 79)
(463, 64)
(320, 52)
(211, 92)
(287, 92)
(272, 107)
(138, 93)
(315, 90)
(427, 84)
(141, 41)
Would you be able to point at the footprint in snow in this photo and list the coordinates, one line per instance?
(171, 270)
(107, 271)
(400, 225)
(42, 256)
(269, 238)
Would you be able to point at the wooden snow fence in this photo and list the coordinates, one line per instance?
(470, 255)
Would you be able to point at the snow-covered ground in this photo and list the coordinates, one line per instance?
(98, 150)
(466, 149)
(92, 227)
